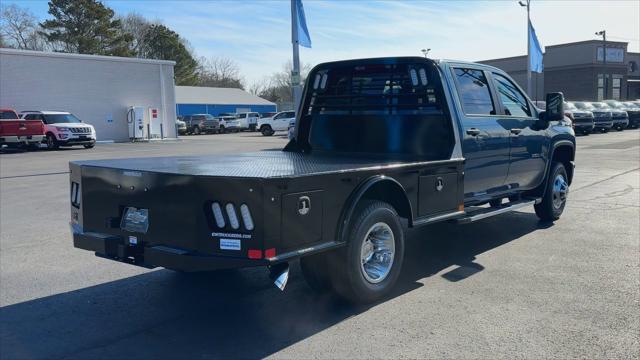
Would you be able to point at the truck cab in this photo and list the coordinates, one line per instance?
(375, 141)
(434, 110)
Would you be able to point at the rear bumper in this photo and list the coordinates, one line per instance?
(28, 139)
(115, 248)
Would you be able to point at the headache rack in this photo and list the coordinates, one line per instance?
(376, 89)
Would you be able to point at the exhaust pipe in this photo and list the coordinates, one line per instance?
(280, 275)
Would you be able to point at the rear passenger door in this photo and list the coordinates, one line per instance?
(485, 143)
(526, 163)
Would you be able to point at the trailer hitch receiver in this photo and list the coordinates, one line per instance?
(279, 273)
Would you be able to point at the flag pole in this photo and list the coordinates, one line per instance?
(295, 71)
(529, 49)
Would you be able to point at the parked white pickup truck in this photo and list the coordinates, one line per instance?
(279, 122)
(248, 120)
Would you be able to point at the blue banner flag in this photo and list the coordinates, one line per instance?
(302, 32)
(535, 51)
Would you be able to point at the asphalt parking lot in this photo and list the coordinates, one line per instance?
(506, 287)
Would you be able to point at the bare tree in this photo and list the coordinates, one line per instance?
(18, 28)
(136, 25)
(220, 72)
(277, 87)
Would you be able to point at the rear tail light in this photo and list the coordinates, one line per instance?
(229, 216)
(246, 217)
(233, 218)
(75, 194)
(217, 214)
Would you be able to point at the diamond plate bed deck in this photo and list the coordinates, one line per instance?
(265, 164)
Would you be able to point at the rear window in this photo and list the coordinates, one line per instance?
(377, 108)
(5, 115)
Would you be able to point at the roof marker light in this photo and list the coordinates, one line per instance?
(217, 214)
(233, 218)
(246, 217)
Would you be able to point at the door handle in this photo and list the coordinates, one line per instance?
(473, 131)
(516, 131)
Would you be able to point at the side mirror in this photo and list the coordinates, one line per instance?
(554, 107)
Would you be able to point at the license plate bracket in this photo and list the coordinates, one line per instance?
(135, 220)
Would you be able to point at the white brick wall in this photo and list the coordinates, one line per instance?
(94, 88)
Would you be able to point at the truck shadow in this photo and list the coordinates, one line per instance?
(231, 314)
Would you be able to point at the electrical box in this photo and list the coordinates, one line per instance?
(135, 121)
(155, 122)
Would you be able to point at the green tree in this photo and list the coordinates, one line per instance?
(162, 43)
(86, 27)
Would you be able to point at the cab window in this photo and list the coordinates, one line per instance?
(513, 101)
(473, 89)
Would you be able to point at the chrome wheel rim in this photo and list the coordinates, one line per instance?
(560, 191)
(377, 253)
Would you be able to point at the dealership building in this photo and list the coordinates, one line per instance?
(100, 90)
(579, 71)
(210, 100)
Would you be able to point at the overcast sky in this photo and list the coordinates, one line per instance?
(256, 33)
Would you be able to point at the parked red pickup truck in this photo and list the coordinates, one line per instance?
(15, 132)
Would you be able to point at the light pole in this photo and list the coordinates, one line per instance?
(425, 52)
(603, 33)
(527, 5)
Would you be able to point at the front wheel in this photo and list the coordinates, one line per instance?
(52, 143)
(266, 130)
(555, 196)
(196, 130)
(89, 146)
(367, 268)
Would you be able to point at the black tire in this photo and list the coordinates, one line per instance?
(89, 146)
(548, 210)
(196, 130)
(347, 274)
(316, 272)
(222, 130)
(605, 130)
(52, 143)
(266, 130)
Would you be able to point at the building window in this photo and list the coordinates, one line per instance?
(615, 93)
(600, 87)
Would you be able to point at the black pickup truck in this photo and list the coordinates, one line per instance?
(376, 140)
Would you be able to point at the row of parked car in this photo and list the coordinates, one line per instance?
(588, 117)
(54, 129)
(266, 123)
